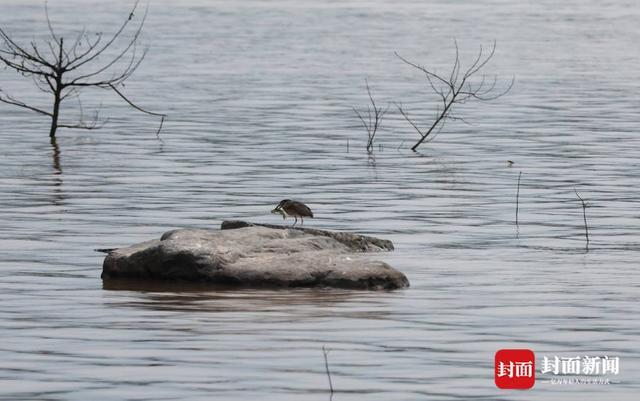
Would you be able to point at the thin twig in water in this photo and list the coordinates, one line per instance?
(326, 367)
(584, 216)
(374, 115)
(518, 198)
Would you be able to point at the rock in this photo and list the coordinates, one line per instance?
(357, 242)
(246, 254)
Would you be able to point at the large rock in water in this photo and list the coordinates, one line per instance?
(255, 255)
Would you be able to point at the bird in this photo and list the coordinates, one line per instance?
(288, 207)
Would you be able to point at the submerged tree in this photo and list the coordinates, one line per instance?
(374, 117)
(63, 68)
(458, 87)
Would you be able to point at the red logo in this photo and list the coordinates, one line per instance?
(515, 369)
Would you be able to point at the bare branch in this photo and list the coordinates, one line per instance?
(41, 83)
(36, 51)
(364, 123)
(478, 66)
(9, 100)
(18, 51)
(456, 65)
(77, 42)
(90, 46)
(133, 105)
(375, 115)
(481, 96)
(114, 80)
(163, 116)
(23, 69)
(455, 118)
(406, 117)
(424, 70)
(79, 62)
(133, 65)
(92, 124)
(46, 13)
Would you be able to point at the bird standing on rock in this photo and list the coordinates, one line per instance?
(295, 209)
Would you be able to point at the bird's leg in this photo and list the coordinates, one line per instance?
(302, 224)
(294, 223)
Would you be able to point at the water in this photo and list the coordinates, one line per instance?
(259, 97)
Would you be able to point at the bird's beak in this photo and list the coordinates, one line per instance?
(280, 212)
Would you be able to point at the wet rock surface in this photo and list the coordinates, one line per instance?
(253, 255)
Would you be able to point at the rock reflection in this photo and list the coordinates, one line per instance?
(188, 296)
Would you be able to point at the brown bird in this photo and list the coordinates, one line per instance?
(288, 207)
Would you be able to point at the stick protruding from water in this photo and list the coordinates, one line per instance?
(518, 199)
(326, 367)
(584, 216)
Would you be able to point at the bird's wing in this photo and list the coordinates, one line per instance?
(308, 210)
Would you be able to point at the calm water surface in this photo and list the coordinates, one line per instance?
(259, 97)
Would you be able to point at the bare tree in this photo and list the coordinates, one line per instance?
(62, 69)
(375, 115)
(458, 87)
